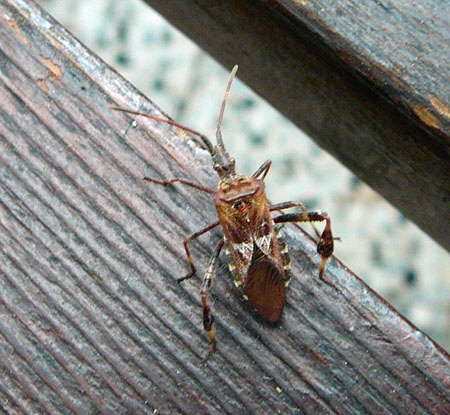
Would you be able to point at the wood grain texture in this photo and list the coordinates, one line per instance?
(91, 319)
(368, 80)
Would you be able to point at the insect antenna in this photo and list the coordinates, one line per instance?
(205, 140)
(223, 163)
(222, 108)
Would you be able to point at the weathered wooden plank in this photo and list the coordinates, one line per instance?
(368, 80)
(91, 318)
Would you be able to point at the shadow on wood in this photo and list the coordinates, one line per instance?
(91, 318)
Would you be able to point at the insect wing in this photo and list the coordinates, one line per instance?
(265, 286)
(258, 264)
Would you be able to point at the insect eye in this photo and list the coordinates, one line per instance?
(238, 205)
(241, 204)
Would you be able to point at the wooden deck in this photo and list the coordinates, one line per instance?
(91, 319)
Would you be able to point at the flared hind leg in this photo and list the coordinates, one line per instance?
(325, 245)
(208, 318)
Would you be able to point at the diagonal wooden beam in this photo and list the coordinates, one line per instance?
(368, 81)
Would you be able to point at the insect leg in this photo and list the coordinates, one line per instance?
(184, 181)
(263, 169)
(326, 242)
(287, 205)
(208, 318)
(196, 234)
(188, 254)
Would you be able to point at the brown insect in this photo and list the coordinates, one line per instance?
(258, 257)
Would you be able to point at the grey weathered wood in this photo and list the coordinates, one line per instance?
(91, 319)
(369, 80)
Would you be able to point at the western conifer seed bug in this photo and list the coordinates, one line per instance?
(259, 258)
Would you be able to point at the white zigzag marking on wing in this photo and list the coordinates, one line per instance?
(245, 248)
(264, 243)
